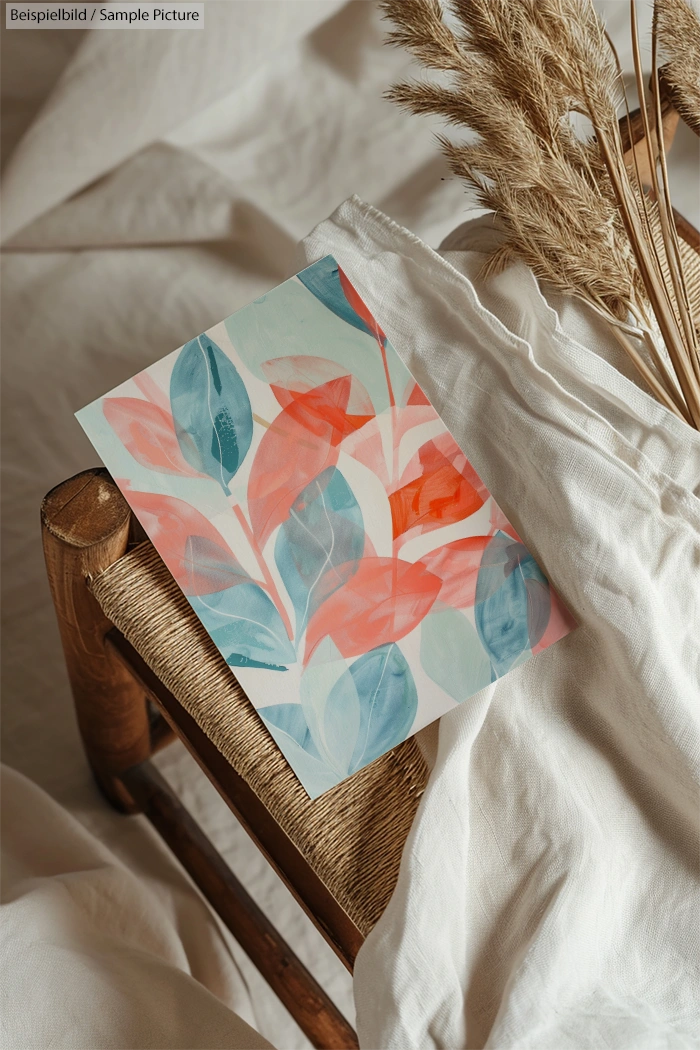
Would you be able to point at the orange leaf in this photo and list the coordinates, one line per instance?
(299, 443)
(439, 487)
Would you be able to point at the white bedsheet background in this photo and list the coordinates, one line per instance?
(154, 181)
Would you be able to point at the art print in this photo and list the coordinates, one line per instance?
(331, 536)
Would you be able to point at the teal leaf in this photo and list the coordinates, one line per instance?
(211, 410)
(246, 627)
(502, 608)
(313, 773)
(388, 702)
(331, 706)
(239, 660)
(323, 279)
(319, 545)
(539, 604)
(289, 718)
(452, 655)
(289, 730)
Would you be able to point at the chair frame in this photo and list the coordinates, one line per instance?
(125, 714)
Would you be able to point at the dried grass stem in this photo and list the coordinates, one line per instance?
(515, 72)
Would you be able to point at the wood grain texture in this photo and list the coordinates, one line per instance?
(85, 528)
(677, 98)
(306, 1001)
(686, 231)
(632, 135)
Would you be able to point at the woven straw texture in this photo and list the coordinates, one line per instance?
(691, 262)
(353, 835)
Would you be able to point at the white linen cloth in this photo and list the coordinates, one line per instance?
(153, 183)
(548, 895)
(94, 955)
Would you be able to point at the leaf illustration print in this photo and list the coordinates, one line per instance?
(512, 605)
(193, 549)
(211, 410)
(147, 431)
(246, 627)
(323, 539)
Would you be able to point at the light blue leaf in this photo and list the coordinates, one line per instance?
(323, 280)
(293, 318)
(452, 655)
(289, 718)
(539, 609)
(246, 627)
(388, 702)
(319, 546)
(331, 706)
(211, 410)
(341, 723)
(313, 773)
(538, 596)
(501, 606)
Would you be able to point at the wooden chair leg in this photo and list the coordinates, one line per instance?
(85, 528)
(315, 1013)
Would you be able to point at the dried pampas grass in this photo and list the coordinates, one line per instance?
(514, 71)
(679, 42)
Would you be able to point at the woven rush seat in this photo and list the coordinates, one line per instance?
(353, 835)
(691, 263)
(690, 254)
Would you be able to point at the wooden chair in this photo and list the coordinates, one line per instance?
(143, 670)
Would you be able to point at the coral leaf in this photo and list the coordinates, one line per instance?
(193, 549)
(381, 603)
(439, 487)
(457, 565)
(148, 433)
(301, 442)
